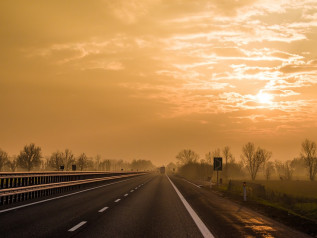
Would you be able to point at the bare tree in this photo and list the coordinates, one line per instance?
(208, 158)
(29, 157)
(227, 156)
(82, 161)
(108, 164)
(97, 162)
(187, 156)
(56, 160)
(68, 159)
(216, 153)
(12, 163)
(288, 170)
(269, 170)
(254, 158)
(308, 153)
(284, 170)
(3, 159)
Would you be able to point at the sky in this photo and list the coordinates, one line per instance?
(144, 79)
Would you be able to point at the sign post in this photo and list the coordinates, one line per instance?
(244, 191)
(217, 166)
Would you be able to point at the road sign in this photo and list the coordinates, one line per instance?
(218, 163)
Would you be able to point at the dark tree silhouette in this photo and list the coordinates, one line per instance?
(82, 161)
(269, 170)
(12, 164)
(254, 158)
(308, 153)
(56, 160)
(187, 156)
(29, 157)
(3, 159)
(142, 165)
(68, 159)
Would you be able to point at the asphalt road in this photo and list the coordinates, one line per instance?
(143, 206)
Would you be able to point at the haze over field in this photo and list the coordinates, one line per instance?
(145, 79)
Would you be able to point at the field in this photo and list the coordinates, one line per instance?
(306, 189)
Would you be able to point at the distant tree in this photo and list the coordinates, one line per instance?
(208, 158)
(235, 169)
(187, 156)
(227, 156)
(269, 170)
(56, 160)
(68, 159)
(288, 170)
(284, 170)
(12, 163)
(298, 164)
(308, 153)
(216, 153)
(106, 164)
(142, 165)
(82, 161)
(171, 167)
(29, 157)
(97, 162)
(90, 164)
(226, 153)
(3, 159)
(254, 158)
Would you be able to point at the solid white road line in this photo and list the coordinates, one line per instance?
(54, 198)
(77, 226)
(192, 183)
(126, 194)
(118, 200)
(103, 209)
(201, 226)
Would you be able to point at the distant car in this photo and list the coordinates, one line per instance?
(162, 170)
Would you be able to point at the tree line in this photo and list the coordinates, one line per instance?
(253, 159)
(31, 158)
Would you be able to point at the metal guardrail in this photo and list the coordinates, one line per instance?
(22, 179)
(17, 194)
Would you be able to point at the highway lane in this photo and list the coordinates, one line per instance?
(155, 210)
(54, 218)
(225, 218)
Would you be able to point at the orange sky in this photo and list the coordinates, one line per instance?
(145, 79)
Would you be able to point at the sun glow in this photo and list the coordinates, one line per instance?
(265, 98)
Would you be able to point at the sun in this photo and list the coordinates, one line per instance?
(265, 98)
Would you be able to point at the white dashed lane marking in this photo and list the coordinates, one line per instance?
(118, 200)
(132, 191)
(103, 209)
(77, 226)
(126, 194)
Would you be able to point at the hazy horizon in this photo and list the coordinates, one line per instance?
(146, 79)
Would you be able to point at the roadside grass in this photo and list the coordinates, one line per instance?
(297, 197)
(295, 188)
